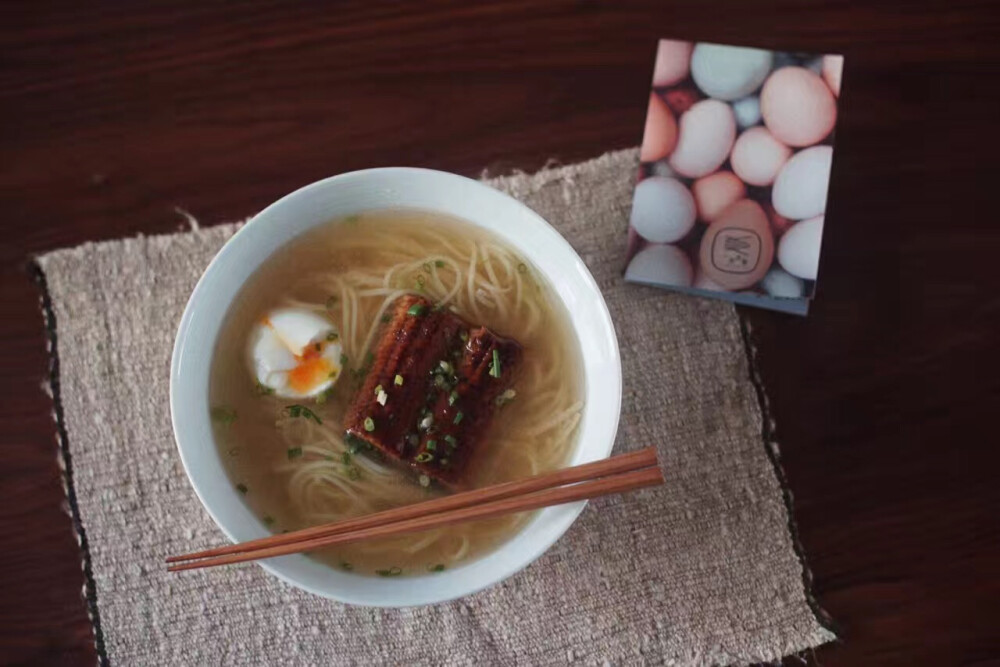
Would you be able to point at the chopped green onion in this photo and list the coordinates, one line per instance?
(431, 445)
(381, 398)
(332, 336)
(223, 415)
(495, 367)
(420, 281)
(324, 395)
(378, 388)
(452, 442)
(424, 480)
(398, 381)
(444, 462)
(416, 309)
(268, 520)
(423, 457)
(386, 318)
(391, 572)
(439, 381)
(369, 424)
(452, 397)
(439, 263)
(413, 439)
(343, 359)
(242, 488)
(344, 565)
(294, 453)
(354, 443)
(263, 390)
(427, 267)
(297, 410)
(464, 335)
(458, 417)
(436, 568)
(445, 366)
(522, 268)
(369, 360)
(346, 458)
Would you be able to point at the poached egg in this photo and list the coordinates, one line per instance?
(295, 352)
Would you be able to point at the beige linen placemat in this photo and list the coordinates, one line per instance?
(701, 571)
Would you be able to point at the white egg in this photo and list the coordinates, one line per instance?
(660, 265)
(729, 72)
(782, 285)
(800, 189)
(798, 251)
(295, 352)
(747, 111)
(663, 210)
(707, 132)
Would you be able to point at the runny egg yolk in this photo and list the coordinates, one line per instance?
(312, 369)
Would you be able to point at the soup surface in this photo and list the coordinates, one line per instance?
(289, 456)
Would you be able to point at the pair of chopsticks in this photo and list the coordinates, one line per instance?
(617, 474)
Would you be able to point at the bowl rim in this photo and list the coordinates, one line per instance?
(233, 246)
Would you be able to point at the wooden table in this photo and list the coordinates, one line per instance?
(115, 116)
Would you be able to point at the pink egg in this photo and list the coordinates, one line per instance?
(757, 156)
(673, 61)
(833, 69)
(660, 135)
(798, 108)
(779, 223)
(714, 193)
(737, 249)
(707, 132)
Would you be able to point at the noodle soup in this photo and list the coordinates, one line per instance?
(289, 455)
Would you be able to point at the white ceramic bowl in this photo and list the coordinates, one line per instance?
(342, 196)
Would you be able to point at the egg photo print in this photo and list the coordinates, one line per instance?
(735, 166)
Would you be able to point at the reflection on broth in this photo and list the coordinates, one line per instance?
(386, 358)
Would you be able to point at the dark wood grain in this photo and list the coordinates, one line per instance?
(113, 115)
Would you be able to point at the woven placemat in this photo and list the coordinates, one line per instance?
(701, 571)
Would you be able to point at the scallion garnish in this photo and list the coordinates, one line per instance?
(426, 422)
(391, 572)
(436, 568)
(369, 424)
(444, 462)
(347, 567)
(445, 366)
(505, 398)
(458, 417)
(416, 309)
(386, 318)
(381, 397)
(439, 263)
(378, 389)
(346, 458)
(452, 397)
(522, 268)
(263, 390)
(431, 445)
(423, 457)
(424, 481)
(464, 335)
(398, 381)
(268, 520)
(452, 442)
(495, 366)
(297, 410)
(332, 336)
(294, 453)
(242, 488)
(223, 415)
(427, 267)
(343, 359)
(420, 282)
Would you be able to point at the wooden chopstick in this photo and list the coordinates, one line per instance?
(642, 458)
(620, 483)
